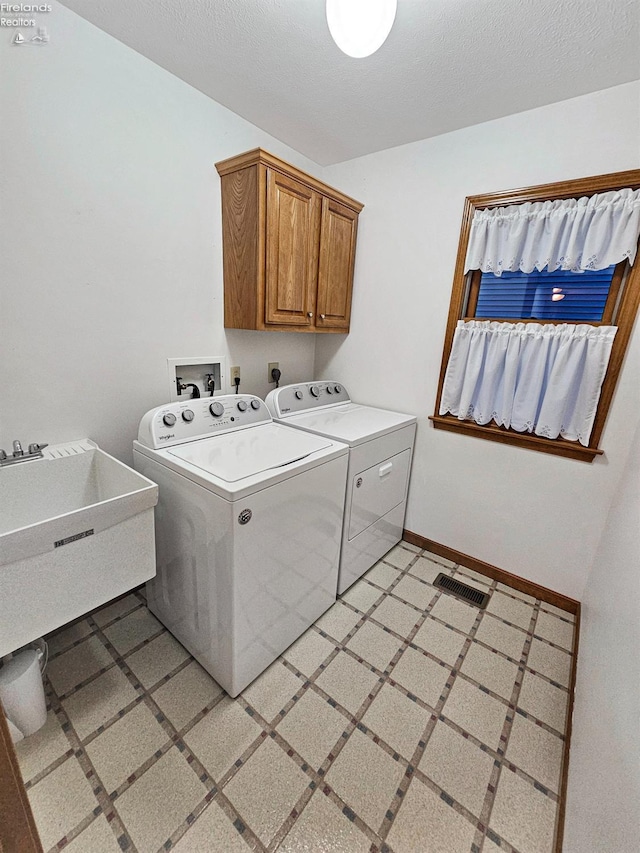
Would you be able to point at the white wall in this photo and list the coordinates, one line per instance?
(112, 258)
(536, 515)
(603, 806)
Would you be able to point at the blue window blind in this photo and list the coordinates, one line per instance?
(559, 295)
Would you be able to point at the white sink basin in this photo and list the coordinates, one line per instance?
(76, 530)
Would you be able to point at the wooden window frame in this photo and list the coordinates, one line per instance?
(464, 297)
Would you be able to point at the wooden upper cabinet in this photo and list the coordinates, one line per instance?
(293, 235)
(337, 259)
(288, 247)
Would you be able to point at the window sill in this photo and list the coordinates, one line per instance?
(555, 446)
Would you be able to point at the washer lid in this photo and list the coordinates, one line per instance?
(237, 455)
(351, 423)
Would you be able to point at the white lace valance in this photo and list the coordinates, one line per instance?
(589, 233)
(542, 379)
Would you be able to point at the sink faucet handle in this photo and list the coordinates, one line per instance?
(17, 448)
(36, 448)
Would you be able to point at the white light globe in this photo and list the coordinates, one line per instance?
(360, 27)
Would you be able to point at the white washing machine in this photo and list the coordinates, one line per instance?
(381, 448)
(248, 530)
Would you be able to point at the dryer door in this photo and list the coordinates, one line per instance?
(378, 490)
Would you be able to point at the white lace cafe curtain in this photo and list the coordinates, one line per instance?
(588, 233)
(541, 379)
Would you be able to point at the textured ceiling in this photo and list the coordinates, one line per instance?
(446, 64)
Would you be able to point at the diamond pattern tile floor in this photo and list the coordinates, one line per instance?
(404, 720)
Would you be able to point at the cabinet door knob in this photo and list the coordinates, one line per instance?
(322, 316)
(309, 313)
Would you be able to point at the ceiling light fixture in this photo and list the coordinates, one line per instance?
(360, 27)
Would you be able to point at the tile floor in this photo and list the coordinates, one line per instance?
(404, 720)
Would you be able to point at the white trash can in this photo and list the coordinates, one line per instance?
(22, 692)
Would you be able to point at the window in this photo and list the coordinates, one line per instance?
(562, 295)
(507, 296)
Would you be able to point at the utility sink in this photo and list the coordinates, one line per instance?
(76, 530)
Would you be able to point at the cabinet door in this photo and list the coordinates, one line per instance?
(337, 258)
(18, 833)
(293, 225)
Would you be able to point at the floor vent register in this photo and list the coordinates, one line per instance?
(467, 593)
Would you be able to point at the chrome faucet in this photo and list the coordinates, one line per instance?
(18, 455)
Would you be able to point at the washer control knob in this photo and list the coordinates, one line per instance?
(216, 409)
(298, 395)
(315, 391)
(337, 389)
(188, 416)
(329, 389)
(255, 404)
(242, 406)
(169, 419)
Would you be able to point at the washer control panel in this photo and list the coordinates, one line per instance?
(306, 396)
(178, 422)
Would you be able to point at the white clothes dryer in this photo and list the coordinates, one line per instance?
(248, 530)
(381, 449)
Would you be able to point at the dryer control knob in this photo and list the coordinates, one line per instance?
(188, 416)
(255, 404)
(337, 389)
(298, 395)
(169, 419)
(315, 391)
(242, 406)
(329, 389)
(216, 409)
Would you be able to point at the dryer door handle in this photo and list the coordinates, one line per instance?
(383, 470)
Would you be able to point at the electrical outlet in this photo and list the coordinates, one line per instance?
(272, 365)
(235, 374)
